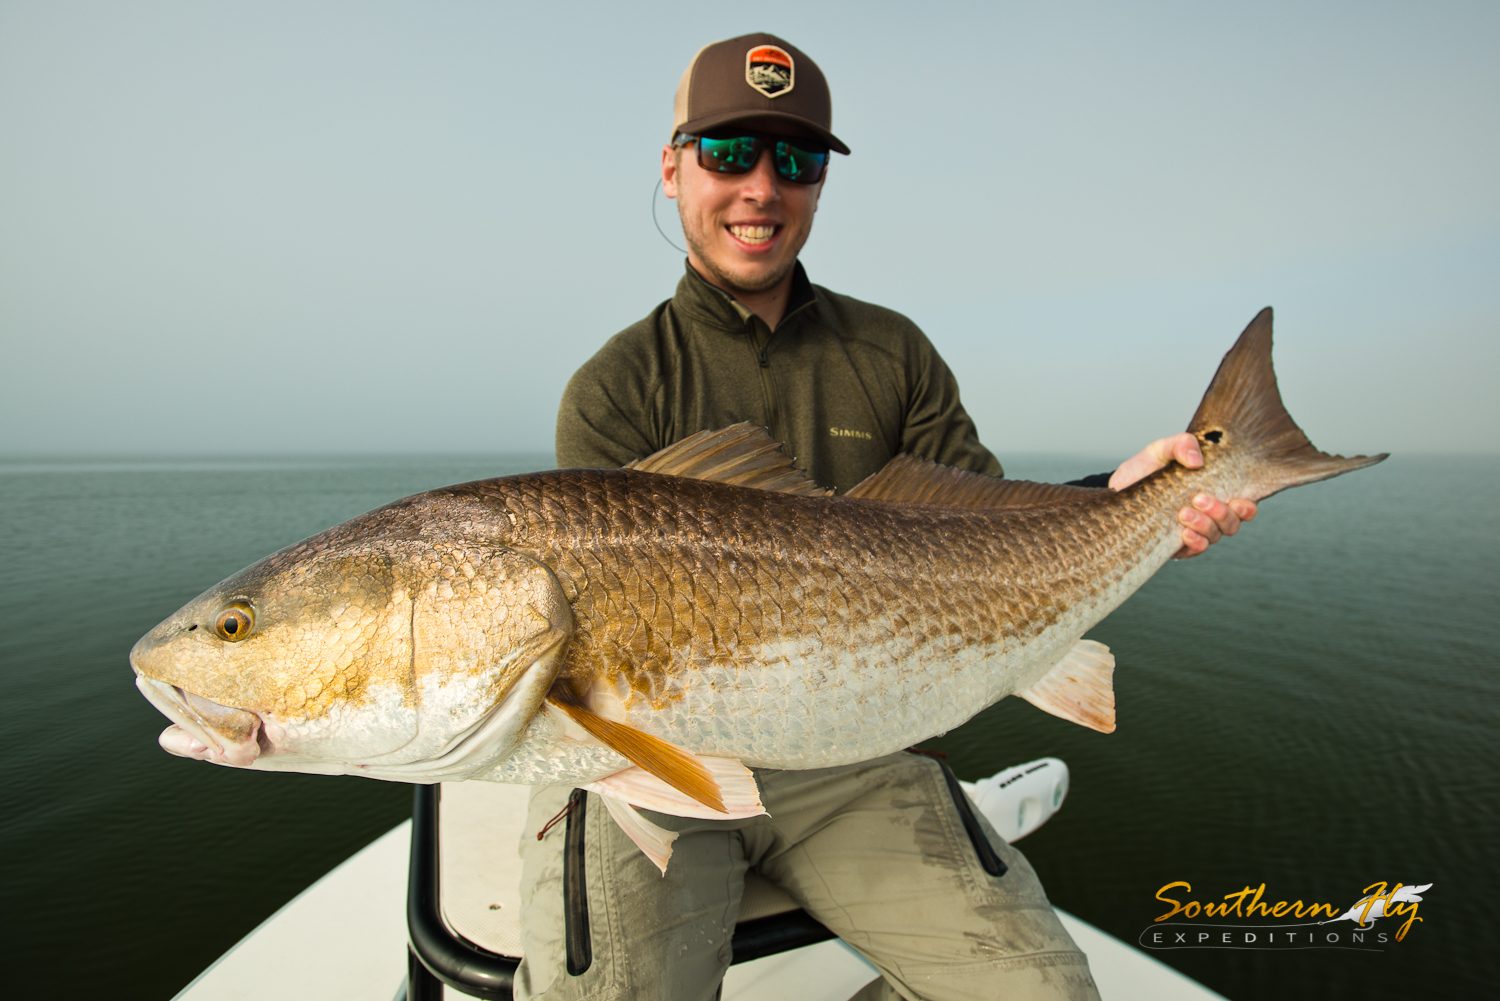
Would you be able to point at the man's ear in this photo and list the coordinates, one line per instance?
(670, 161)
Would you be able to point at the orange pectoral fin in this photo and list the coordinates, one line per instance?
(676, 766)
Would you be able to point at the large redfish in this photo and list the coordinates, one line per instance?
(647, 631)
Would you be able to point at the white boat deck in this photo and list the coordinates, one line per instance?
(344, 937)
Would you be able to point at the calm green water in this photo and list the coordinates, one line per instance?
(1313, 706)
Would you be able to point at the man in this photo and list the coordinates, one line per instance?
(877, 851)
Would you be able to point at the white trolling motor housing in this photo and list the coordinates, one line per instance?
(1022, 798)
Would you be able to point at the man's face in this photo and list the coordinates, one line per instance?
(744, 231)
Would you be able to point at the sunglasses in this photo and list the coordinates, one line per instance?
(800, 161)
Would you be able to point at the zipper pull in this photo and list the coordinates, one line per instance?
(764, 361)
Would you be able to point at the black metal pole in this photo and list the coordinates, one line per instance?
(454, 960)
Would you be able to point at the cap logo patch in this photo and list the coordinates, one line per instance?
(768, 69)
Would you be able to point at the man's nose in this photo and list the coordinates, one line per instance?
(762, 183)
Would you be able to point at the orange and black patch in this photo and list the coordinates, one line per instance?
(769, 70)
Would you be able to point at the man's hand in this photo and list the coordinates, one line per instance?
(1208, 519)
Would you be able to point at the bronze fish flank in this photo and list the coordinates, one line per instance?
(707, 606)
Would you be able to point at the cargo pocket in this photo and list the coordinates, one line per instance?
(989, 859)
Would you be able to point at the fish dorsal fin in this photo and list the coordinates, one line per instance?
(1080, 688)
(742, 454)
(676, 766)
(922, 481)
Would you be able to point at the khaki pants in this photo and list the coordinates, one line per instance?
(876, 851)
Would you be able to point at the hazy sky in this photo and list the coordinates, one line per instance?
(252, 228)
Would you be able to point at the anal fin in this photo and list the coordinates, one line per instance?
(676, 766)
(654, 841)
(1080, 688)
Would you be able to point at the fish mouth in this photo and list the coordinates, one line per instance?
(204, 730)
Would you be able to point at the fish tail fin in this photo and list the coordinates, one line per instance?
(1242, 410)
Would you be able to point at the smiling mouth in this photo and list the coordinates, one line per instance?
(754, 235)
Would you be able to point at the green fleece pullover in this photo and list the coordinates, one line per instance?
(844, 384)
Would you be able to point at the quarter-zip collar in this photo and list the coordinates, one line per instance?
(709, 304)
(711, 307)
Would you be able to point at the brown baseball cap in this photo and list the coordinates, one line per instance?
(759, 81)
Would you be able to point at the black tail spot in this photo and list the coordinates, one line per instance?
(1213, 436)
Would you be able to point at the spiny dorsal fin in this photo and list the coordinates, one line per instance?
(676, 766)
(742, 454)
(1080, 688)
(922, 481)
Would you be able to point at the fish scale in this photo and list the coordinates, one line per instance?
(535, 628)
(981, 585)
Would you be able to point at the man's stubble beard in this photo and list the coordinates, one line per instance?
(718, 276)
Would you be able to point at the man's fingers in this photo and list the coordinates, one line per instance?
(1224, 517)
(1193, 544)
(1208, 520)
(1228, 515)
(1180, 447)
(1199, 531)
(1201, 525)
(1141, 465)
(1185, 450)
(1246, 509)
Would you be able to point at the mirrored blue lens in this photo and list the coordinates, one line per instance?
(728, 156)
(738, 154)
(797, 164)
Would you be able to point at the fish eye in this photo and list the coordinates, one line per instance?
(235, 621)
